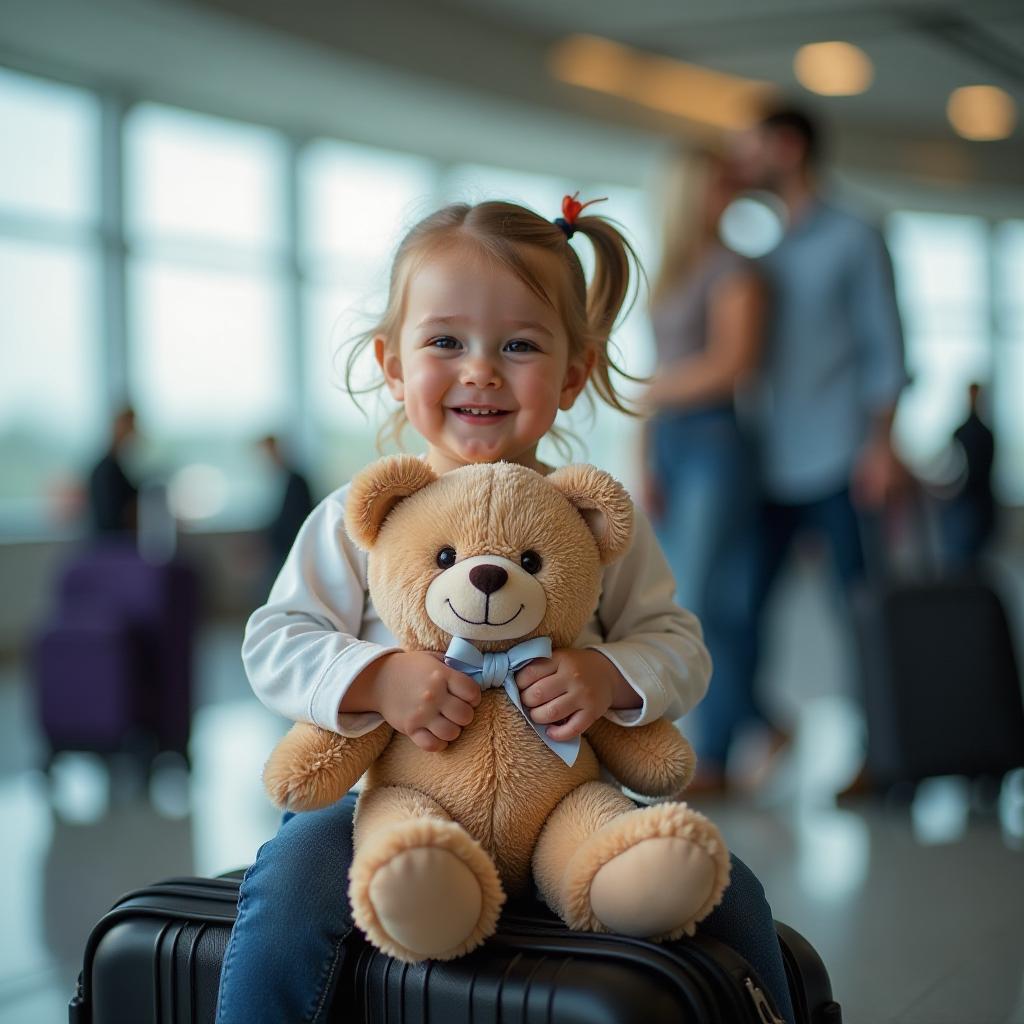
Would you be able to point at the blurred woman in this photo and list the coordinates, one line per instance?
(706, 311)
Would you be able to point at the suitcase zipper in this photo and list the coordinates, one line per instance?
(555, 929)
(761, 1004)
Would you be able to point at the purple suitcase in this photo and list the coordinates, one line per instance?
(113, 667)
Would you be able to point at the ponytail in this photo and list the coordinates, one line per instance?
(615, 266)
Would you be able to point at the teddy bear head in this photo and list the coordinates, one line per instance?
(494, 553)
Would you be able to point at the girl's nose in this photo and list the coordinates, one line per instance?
(481, 373)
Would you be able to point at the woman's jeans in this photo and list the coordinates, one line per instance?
(708, 531)
(285, 950)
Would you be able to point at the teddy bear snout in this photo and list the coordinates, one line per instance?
(488, 578)
(486, 597)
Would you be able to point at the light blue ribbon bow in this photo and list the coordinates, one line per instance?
(498, 669)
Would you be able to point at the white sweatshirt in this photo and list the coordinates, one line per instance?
(319, 629)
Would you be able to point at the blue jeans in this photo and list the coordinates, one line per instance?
(285, 950)
(738, 595)
(706, 471)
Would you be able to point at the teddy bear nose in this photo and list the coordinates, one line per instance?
(488, 578)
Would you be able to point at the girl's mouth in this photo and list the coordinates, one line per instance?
(479, 414)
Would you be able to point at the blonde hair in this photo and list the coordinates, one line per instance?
(506, 232)
(685, 183)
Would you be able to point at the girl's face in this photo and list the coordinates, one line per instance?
(481, 362)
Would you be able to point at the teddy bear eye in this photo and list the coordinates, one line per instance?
(446, 558)
(531, 562)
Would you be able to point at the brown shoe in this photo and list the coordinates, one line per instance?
(860, 786)
(708, 781)
(767, 757)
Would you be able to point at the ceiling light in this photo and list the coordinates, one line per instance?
(981, 112)
(833, 69)
(660, 83)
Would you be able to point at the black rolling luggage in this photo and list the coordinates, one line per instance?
(156, 956)
(942, 688)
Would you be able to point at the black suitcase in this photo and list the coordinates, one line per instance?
(942, 688)
(156, 957)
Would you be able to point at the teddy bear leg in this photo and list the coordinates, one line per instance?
(421, 887)
(605, 865)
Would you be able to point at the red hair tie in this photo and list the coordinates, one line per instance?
(571, 209)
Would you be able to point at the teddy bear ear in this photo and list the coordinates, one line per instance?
(376, 490)
(604, 505)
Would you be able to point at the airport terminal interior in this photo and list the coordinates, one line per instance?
(199, 200)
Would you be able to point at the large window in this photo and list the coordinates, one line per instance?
(953, 276)
(216, 283)
(50, 165)
(52, 395)
(1008, 382)
(356, 203)
(205, 221)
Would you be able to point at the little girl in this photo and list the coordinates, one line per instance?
(490, 329)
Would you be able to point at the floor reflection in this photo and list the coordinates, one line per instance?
(914, 905)
(87, 865)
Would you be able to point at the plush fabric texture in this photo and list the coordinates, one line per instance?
(309, 767)
(398, 820)
(593, 826)
(497, 806)
(374, 495)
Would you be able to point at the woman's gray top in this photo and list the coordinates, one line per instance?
(680, 319)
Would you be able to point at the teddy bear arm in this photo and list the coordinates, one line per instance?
(312, 767)
(654, 760)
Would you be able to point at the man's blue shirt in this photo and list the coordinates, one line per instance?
(833, 352)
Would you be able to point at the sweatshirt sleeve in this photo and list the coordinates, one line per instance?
(301, 649)
(656, 645)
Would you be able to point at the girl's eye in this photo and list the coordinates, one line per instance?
(519, 345)
(444, 342)
(446, 558)
(531, 562)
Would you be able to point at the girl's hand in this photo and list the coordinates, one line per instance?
(571, 690)
(417, 694)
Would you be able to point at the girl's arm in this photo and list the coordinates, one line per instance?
(735, 321)
(657, 646)
(301, 649)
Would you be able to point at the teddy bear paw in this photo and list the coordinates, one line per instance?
(652, 873)
(682, 878)
(428, 902)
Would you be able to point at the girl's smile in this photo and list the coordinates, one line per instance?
(479, 414)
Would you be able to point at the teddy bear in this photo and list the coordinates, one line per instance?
(495, 564)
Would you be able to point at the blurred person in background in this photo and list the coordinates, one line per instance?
(833, 365)
(296, 504)
(968, 517)
(707, 315)
(113, 497)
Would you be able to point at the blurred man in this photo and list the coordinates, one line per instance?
(969, 516)
(113, 498)
(833, 364)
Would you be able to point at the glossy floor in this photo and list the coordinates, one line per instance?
(917, 908)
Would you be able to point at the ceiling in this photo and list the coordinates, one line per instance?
(452, 76)
(921, 51)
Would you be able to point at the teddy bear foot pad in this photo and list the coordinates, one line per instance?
(687, 880)
(425, 890)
